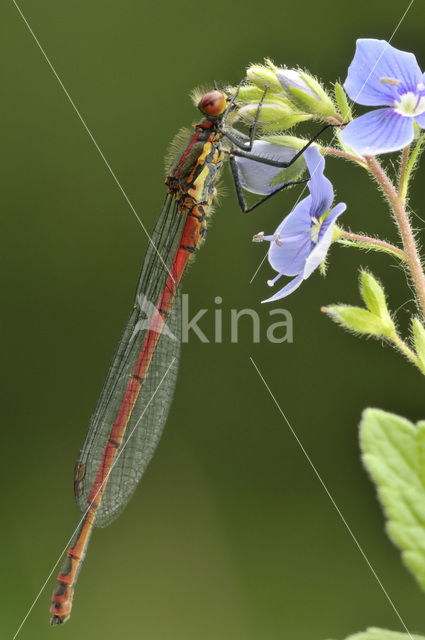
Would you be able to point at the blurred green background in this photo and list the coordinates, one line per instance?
(230, 534)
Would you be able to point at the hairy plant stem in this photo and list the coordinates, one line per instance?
(367, 242)
(410, 249)
(332, 151)
(402, 346)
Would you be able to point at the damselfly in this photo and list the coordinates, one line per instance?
(133, 405)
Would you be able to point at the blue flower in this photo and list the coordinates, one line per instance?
(301, 241)
(381, 75)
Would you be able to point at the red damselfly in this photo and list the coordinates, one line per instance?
(133, 405)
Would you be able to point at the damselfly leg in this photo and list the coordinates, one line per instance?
(243, 151)
(248, 142)
(240, 194)
(242, 146)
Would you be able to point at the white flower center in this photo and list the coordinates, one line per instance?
(410, 104)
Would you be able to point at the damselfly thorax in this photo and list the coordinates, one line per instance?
(193, 177)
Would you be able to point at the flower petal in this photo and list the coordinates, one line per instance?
(421, 120)
(294, 235)
(325, 238)
(298, 221)
(374, 60)
(287, 289)
(321, 190)
(257, 177)
(379, 131)
(289, 258)
(331, 218)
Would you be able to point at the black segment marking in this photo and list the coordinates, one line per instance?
(163, 312)
(60, 589)
(201, 217)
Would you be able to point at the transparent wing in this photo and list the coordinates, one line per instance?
(153, 402)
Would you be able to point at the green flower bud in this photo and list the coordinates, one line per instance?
(419, 340)
(286, 123)
(359, 320)
(249, 93)
(262, 77)
(306, 93)
(274, 112)
(287, 141)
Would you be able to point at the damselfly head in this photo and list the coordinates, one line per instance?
(213, 103)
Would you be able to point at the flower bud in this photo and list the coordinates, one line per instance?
(262, 77)
(287, 141)
(249, 93)
(292, 79)
(306, 93)
(275, 115)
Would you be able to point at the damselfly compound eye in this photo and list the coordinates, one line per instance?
(213, 103)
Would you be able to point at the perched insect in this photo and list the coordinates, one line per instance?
(133, 405)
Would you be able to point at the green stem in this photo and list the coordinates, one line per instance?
(410, 249)
(402, 346)
(366, 242)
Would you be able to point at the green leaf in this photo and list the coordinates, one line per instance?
(374, 296)
(393, 451)
(357, 319)
(413, 159)
(373, 633)
(419, 339)
(420, 439)
(342, 102)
